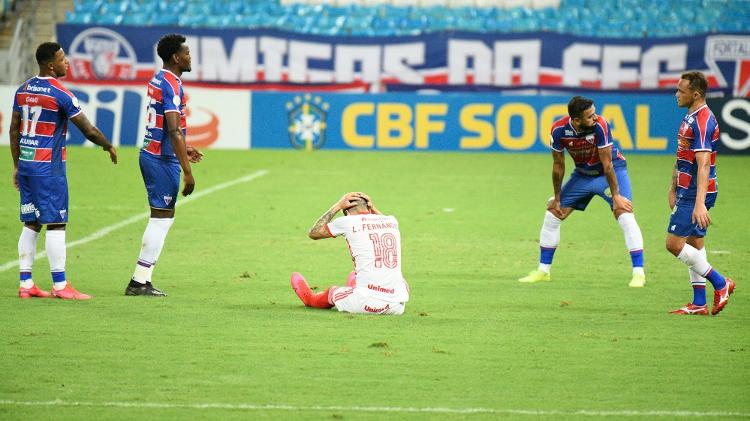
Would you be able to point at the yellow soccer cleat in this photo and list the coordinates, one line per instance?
(535, 276)
(638, 281)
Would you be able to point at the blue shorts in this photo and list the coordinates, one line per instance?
(681, 221)
(162, 180)
(44, 199)
(580, 189)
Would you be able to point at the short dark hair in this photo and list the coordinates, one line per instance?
(46, 51)
(698, 82)
(359, 203)
(169, 45)
(578, 105)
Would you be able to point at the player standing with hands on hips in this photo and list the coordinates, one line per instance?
(693, 192)
(164, 152)
(377, 285)
(41, 110)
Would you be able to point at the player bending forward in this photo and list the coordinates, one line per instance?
(376, 286)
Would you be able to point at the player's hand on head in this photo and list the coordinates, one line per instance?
(189, 184)
(348, 200)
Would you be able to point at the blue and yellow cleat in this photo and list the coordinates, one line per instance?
(638, 281)
(535, 276)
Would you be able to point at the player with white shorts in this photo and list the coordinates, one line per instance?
(377, 285)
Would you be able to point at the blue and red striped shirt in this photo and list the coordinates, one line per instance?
(45, 107)
(584, 146)
(165, 95)
(699, 132)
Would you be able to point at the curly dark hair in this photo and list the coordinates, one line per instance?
(578, 105)
(169, 45)
(46, 52)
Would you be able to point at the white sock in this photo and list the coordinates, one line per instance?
(544, 267)
(549, 236)
(152, 244)
(55, 246)
(27, 253)
(631, 231)
(694, 260)
(638, 270)
(696, 279)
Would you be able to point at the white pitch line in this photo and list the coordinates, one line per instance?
(381, 409)
(135, 218)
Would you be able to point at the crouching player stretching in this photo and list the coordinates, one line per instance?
(376, 286)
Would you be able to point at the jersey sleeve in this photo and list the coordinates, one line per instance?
(338, 226)
(554, 140)
(170, 98)
(16, 107)
(601, 131)
(69, 105)
(703, 129)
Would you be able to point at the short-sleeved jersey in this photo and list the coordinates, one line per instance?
(375, 245)
(165, 95)
(699, 132)
(45, 107)
(584, 146)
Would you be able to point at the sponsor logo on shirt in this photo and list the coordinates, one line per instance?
(44, 89)
(568, 133)
(378, 288)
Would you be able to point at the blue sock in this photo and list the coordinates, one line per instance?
(636, 257)
(699, 295)
(546, 255)
(716, 279)
(25, 276)
(58, 276)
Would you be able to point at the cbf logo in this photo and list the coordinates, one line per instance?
(100, 53)
(728, 56)
(307, 122)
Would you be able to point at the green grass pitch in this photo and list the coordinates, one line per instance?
(232, 341)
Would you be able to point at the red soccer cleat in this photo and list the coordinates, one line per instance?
(721, 297)
(34, 291)
(70, 293)
(301, 288)
(690, 308)
(351, 280)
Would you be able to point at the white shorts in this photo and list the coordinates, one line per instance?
(350, 300)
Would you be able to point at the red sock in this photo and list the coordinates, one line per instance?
(320, 300)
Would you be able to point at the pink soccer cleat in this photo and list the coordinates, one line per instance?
(301, 288)
(691, 309)
(351, 280)
(721, 297)
(34, 291)
(70, 293)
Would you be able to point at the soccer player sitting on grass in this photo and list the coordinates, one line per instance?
(376, 286)
(600, 170)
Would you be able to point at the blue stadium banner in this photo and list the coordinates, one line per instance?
(450, 122)
(733, 116)
(452, 58)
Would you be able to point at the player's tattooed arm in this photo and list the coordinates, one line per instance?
(319, 230)
(672, 192)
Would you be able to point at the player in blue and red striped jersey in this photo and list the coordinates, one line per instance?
(164, 152)
(41, 110)
(693, 192)
(600, 171)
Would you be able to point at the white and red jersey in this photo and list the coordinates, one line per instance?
(375, 245)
